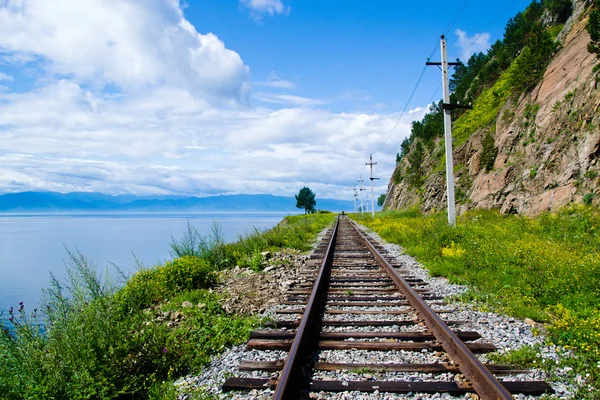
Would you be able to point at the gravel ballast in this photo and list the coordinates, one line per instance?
(504, 332)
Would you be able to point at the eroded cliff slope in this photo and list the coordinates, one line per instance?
(546, 142)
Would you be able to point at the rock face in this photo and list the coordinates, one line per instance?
(548, 143)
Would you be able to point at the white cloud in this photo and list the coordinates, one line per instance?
(133, 45)
(4, 77)
(275, 81)
(170, 126)
(287, 99)
(260, 7)
(470, 45)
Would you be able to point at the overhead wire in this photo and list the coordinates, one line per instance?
(453, 21)
(488, 27)
(450, 25)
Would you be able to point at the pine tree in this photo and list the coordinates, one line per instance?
(593, 27)
(306, 199)
(488, 153)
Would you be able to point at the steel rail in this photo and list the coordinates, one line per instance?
(476, 375)
(290, 374)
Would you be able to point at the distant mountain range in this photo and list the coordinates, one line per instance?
(99, 202)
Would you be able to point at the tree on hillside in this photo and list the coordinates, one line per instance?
(414, 171)
(593, 28)
(381, 200)
(306, 199)
(560, 10)
(489, 152)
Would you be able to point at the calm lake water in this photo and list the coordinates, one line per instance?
(32, 246)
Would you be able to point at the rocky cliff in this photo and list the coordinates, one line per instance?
(547, 142)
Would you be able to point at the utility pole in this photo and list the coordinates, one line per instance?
(361, 180)
(448, 130)
(370, 164)
(355, 196)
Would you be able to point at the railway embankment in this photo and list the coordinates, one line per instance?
(529, 332)
(527, 286)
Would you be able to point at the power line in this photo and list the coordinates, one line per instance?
(461, 10)
(434, 94)
(406, 106)
(488, 27)
(454, 20)
(428, 103)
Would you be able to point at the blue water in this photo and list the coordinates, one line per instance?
(32, 246)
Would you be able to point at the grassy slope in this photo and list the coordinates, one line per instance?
(107, 340)
(545, 268)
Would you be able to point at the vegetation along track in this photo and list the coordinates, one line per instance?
(353, 298)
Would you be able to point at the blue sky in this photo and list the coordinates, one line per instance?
(351, 50)
(219, 96)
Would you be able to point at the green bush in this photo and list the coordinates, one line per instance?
(593, 28)
(414, 172)
(524, 357)
(211, 247)
(488, 153)
(397, 176)
(95, 347)
(533, 171)
(153, 285)
(295, 232)
(587, 198)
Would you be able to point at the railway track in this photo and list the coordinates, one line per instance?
(353, 299)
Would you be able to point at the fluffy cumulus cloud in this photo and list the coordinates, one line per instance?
(470, 45)
(132, 45)
(129, 98)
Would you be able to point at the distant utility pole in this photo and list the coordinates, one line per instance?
(370, 164)
(361, 180)
(355, 196)
(448, 130)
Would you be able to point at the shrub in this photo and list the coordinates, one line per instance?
(488, 153)
(414, 172)
(153, 285)
(211, 247)
(524, 357)
(96, 343)
(397, 176)
(593, 28)
(533, 171)
(587, 198)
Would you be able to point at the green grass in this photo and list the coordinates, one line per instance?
(485, 109)
(545, 268)
(524, 357)
(105, 339)
(294, 232)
